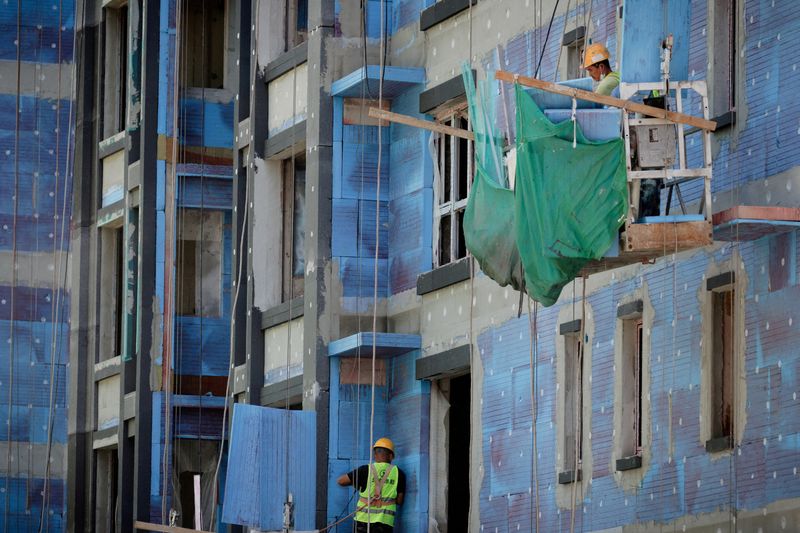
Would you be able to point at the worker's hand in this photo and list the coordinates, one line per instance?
(344, 480)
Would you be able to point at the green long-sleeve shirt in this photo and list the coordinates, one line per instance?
(608, 84)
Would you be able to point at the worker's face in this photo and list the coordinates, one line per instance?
(595, 71)
(382, 456)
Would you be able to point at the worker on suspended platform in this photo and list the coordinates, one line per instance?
(596, 63)
(381, 487)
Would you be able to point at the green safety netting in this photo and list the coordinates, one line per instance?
(569, 201)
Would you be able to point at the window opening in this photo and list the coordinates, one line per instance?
(296, 22)
(119, 288)
(631, 387)
(458, 437)
(723, 90)
(199, 263)
(105, 518)
(722, 364)
(455, 159)
(573, 43)
(294, 205)
(573, 405)
(115, 86)
(203, 43)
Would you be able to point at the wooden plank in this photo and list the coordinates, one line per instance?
(374, 112)
(627, 105)
(667, 237)
(146, 526)
(760, 212)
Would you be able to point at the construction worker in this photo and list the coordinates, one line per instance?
(381, 487)
(595, 61)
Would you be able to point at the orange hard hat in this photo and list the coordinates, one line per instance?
(383, 442)
(595, 53)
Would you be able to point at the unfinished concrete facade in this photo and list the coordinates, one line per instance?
(649, 396)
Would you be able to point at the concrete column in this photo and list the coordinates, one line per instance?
(80, 501)
(319, 142)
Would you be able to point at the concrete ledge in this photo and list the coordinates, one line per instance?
(629, 463)
(443, 276)
(573, 35)
(105, 438)
(107, 368)
(386, 344)
(717, 282)
(573, 326)
(286, 62)
(568, 476)
(283, 143)
(112, 145)
(275, 394)
(448, 363)
(436, 96)
(111, 215)
(280, 313)
(630, 310)
(442, 10)
(719, 444)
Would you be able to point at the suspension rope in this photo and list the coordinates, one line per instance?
(238, 279)
(377, 234)
(59, 276)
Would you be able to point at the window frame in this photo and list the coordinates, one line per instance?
(725, 35)
(448, 200)
(116, 67)
(631, 353)
(184, 68)
(292, 285)
(572, 402)
(714, 436)
(197, 285)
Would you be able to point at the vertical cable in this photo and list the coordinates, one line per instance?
(377, 234)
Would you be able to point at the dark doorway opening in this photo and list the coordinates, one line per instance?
(458, 437)
(186, 480)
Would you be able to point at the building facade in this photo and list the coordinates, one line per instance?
(244, 229)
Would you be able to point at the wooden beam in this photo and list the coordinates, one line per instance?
(374, 112)
(759, 212)
(667, 237)
(627, 105)
(146, 526)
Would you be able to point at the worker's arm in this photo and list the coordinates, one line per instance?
(344, 480)
(401, 487)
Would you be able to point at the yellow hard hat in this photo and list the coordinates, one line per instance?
(383, 442)
(595, 53)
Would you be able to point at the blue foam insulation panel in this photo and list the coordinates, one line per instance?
(272, 451)
(35, 180)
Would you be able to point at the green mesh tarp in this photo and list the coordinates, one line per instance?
(567, 207)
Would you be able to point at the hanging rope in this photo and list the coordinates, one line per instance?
(238, 279)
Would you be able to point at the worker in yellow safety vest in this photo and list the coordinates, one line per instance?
(381, 487)
(596, 63)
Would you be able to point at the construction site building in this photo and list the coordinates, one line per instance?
(263, 278)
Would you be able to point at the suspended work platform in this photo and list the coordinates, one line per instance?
(656, 149)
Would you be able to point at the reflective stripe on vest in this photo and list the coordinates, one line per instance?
(378, 502)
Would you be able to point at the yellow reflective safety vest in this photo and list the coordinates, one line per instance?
(378, 502)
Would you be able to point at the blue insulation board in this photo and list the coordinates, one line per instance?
(35, 202)
(271, 451)
(401, 412)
